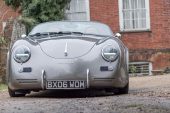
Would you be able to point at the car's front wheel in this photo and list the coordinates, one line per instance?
(13, 93)
(118, 91)
(123, 90)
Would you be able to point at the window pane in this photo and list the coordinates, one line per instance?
(77, 10)
(126, 4)
(142, 13)
(126, 14)
(73, 5)
(81, 6)
(76, 16)
(128, 24)
(134, 4)
(143, 23)
(134, 14)
(141, 3)
(136, 19)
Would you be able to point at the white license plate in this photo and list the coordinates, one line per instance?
(65, 84)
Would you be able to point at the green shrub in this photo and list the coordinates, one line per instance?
(2, 40)
(3, 87)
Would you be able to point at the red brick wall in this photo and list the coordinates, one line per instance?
(107, 11)
(161, 60)
(6, 13)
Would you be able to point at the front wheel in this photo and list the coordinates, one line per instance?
(123, 90)
(16, 93)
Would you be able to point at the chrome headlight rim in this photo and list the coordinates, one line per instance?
(116, 56)
(28, 54)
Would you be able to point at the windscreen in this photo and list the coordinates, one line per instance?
(83, 27)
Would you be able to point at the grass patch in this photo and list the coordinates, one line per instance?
(3, 87)
(134, 105)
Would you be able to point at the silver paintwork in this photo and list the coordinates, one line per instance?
(69, 57)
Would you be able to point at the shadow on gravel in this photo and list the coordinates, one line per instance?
(68, 94)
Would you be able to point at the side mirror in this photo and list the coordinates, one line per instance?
(23, 35)
(118, 35)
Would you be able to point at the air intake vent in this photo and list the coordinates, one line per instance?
(140, 68)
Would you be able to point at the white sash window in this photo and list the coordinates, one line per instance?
(78, 10)
(134, 15)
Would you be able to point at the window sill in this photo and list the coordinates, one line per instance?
(135, 31)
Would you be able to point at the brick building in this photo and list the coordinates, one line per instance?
(144, 25)
(6, 13)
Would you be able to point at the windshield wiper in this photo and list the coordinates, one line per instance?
(64, 33)
(51, 34)
(98, 35)
(39, 34)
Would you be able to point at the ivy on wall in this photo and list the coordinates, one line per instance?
(2, 40)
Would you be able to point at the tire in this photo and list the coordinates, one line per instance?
(16, 93)
(123, 90)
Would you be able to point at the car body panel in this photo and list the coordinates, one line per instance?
(68, 45)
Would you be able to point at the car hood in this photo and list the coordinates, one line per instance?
(67, 48)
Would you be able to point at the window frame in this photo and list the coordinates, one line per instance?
(121, 23)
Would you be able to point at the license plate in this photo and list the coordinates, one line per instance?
(66, 84)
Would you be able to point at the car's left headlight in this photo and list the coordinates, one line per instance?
(110, 53)
(22, 54)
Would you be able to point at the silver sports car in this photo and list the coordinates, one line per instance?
(68, 56)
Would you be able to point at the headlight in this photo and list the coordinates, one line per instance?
(110, 53)
(22, 54)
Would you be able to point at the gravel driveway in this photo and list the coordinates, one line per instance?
(149, 94)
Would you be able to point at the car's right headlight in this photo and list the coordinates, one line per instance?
(22, 54)
(110, 53)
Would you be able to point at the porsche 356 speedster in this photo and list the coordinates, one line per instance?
(63, 55)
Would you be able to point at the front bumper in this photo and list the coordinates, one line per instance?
(38, 78)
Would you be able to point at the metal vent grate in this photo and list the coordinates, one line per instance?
(140, 68)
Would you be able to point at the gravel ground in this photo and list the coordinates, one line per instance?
(149, 94)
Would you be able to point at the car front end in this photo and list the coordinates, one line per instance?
(67, 62)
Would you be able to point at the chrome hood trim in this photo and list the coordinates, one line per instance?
(65, 51)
